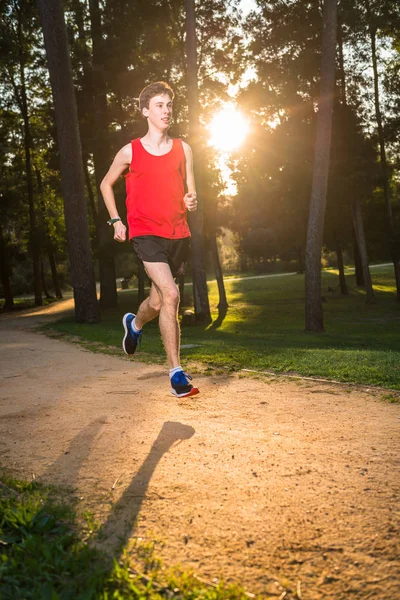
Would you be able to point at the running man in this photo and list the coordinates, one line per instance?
(160, 187)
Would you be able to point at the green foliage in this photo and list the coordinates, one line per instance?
(273, 170)
(140, 42)
(27, 127)
(144, 41)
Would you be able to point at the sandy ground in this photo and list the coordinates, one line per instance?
(289, 488)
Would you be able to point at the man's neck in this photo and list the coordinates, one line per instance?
(156, 138)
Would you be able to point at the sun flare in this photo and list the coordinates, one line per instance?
(228, 129)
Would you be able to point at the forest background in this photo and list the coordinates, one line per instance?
(267, 61)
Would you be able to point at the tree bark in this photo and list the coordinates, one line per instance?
(5, 272)
(358, 265)
(200, 290)
(141, 281)
(342, 76)
(313, 308)
(378, 114)
(342, 279)
(54, 274)
(72, 180)
(108, 286)
(357, 262)
(92, 203)
(359, 232)
(223, 302)
(181, 285)
(43, 278)
(48, 243)
(33, 233)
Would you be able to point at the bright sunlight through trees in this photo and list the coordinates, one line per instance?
(228, 129)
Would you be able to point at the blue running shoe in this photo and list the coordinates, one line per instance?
(180, 387)
(131, 339)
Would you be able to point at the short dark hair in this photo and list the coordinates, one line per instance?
(154, 89)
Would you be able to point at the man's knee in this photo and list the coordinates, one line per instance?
(170, 295)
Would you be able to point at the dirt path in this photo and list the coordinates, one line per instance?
(281, 486)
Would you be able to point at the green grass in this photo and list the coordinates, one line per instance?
(264, 330)
(43, 556)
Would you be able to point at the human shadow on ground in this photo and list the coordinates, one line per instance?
(90, 574)
(122, 519)
(120, 523)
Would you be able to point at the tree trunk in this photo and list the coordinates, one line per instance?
(43, 278)
(54, 274)
(108, 285)
(181, 284)
(200, 290)
(357, 262)
(243, 262)
(378, 114)
(210, 214)
(92, 203)
(5, 272)
(33, 233)
(359, 231)
(313, 308)
(342, 279)
(141, 282)
(48, 243)
(72, 180)
(342, 76)
(78, 9)
(359, 273)
(382, 151)
(223, 302)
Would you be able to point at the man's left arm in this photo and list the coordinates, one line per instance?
(190, 198)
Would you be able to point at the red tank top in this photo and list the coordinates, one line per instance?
(155, 187)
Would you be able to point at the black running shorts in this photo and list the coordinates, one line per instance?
(151, 248)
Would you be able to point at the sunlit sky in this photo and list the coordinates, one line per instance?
(247, 6)
(228, 127)
(227, 130)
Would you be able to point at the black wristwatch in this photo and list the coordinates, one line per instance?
(114, 220)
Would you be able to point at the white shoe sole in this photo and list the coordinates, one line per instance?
(192, 392)
(126, 332)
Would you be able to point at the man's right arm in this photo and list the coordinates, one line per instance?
(120, 163)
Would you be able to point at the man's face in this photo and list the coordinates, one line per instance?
(159, 112)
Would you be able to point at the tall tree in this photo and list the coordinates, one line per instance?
(200, 291)
(101, 159)
(314, 314)
(53, 23)
(393, 242)
(353, 152)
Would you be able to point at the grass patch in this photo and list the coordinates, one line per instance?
(43, 556)
(264, 329)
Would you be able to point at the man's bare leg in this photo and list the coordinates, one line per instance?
(163, 300)
(149, 308)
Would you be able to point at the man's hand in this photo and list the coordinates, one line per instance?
(119, 231)
(190, 200)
